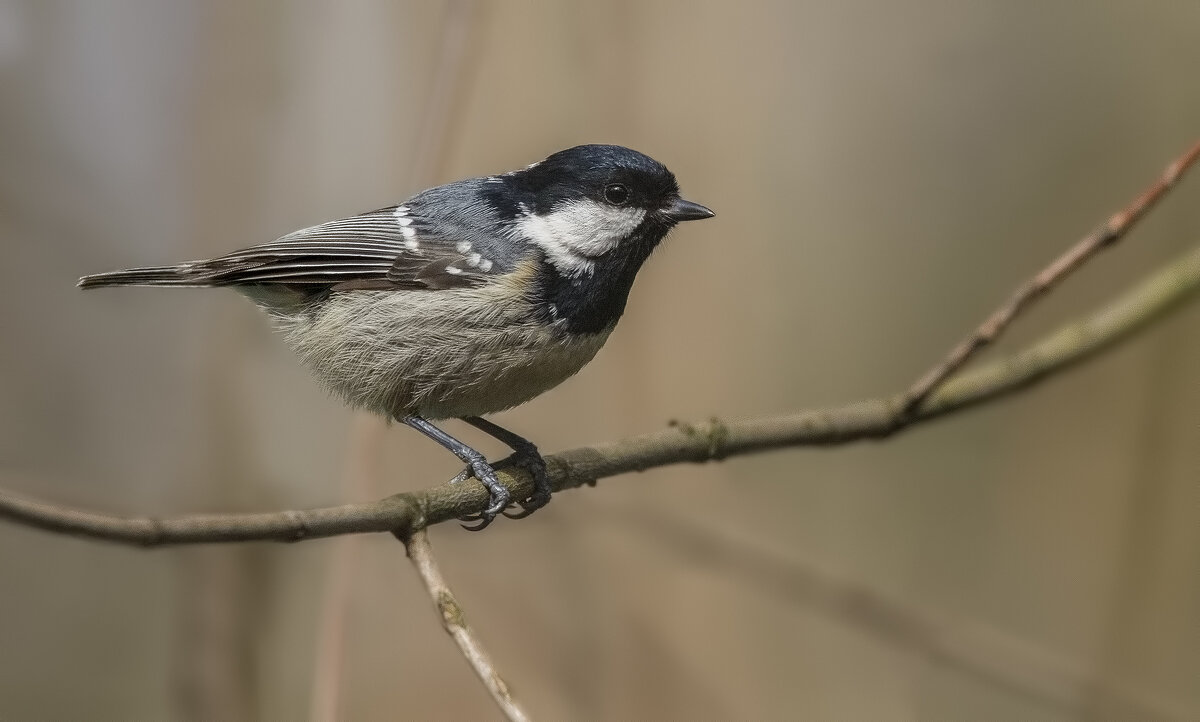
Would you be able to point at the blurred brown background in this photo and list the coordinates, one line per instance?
(883, 174)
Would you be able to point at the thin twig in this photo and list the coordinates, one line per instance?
(990, 655)
(708, 441)
(1096, 241)
(455, 623)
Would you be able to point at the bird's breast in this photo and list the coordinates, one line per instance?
(438, 354)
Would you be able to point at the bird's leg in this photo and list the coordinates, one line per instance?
(528, 456)
(498, 495)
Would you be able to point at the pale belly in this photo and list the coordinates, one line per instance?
(401, 353)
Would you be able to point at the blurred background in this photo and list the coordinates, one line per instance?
(883, 175)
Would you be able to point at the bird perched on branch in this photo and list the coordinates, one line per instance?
(464, 300)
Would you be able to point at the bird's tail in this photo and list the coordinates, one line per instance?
(185, 274)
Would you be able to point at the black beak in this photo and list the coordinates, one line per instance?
(681, 210)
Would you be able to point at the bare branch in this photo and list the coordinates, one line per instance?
(455, 623)
(708, 441)
(1096, 241)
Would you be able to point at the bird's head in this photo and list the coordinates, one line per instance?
(597, 206)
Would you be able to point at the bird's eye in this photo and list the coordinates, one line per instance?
(616, 194)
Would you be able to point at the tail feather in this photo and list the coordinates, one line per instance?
(182, 275)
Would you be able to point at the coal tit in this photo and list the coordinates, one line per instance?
(464, 300)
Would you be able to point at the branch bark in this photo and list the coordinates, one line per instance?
(713, 440)
(455, 624)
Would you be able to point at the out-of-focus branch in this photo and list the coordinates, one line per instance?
(989, 655)
(457, 59)
(360, 470)
(708, 441)
(1096, 241)
(455, 623)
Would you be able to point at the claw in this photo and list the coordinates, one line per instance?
(483, 524)
(524, 512)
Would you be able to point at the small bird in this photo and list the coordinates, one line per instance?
(464, 300)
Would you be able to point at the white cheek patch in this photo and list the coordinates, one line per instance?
(576, 233)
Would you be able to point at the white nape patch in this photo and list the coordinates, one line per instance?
(576, 233)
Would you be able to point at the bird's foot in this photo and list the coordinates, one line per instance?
(498, 496)
(528, 457)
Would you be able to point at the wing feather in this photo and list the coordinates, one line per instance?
(380, 249)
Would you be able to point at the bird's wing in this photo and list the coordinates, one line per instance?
(385, 249)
